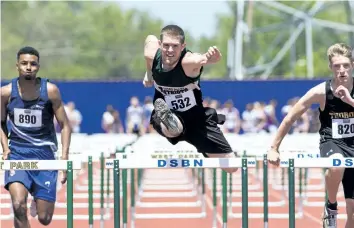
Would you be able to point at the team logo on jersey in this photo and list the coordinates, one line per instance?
(329, 152)
(172, 90)
(346, 120)
(341, 115)
(12, 173)
(37, 107)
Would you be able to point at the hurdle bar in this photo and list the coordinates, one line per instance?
(67, 165)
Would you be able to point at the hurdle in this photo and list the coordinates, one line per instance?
(68, 165)
(134, 162)
(146, 163)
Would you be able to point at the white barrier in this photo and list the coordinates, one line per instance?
(134, 161)
(145, 163)
(319, 163)
(38, 165)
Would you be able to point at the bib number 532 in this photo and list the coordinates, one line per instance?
(181, 103)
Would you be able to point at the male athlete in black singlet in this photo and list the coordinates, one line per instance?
(178, 113)
(335, 98)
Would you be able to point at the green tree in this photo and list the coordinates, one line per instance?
(99, 40)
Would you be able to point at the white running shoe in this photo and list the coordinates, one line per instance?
(329, 218)
(166, 116)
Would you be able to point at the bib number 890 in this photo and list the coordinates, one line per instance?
(180, 103)
(27, 119)
(345, 129)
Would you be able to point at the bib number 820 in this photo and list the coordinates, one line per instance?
(345, 129)
(180, 103)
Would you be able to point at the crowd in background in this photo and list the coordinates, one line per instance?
(257, 117)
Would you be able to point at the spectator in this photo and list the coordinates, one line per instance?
(74, 116)
(272, 121)
(259, 116)
(232, 123)
(248, 119)
(117, 126)
(147, 110)
(206, 102)
(135, 117)
(108, 119)
(215, 104)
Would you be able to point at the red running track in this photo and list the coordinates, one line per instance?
(311, 214)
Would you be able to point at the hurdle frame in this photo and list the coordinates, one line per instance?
(245, 163)
(291, 168)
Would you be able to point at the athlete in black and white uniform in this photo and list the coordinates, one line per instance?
(335, 98)
(178, 112)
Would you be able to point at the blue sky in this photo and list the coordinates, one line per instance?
(198, 17)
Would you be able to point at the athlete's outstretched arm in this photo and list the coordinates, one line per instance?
(150, 48)
(316, 95)
(60, 115)
(5, 93)
(193, 62)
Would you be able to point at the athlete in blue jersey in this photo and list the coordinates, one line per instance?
(30, 103)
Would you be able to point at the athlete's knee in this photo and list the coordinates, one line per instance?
(224, 155)
(44, 218)
(334, 174)
(230, 170)
(20, 209)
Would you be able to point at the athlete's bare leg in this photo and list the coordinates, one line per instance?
(45, 210)
(224, 155)
(350, 213)
(333, 178)
(19, 194)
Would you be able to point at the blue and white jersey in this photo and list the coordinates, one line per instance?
(32, 133)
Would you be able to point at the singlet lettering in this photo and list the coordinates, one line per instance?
(342, 128)
(27, 117)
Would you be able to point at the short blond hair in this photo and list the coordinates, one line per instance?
(341, 49)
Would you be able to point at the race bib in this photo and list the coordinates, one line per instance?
(181, 102)
(342, 128)
(28, 117)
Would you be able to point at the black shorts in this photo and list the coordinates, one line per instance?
(329, 147)
(200, 129)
